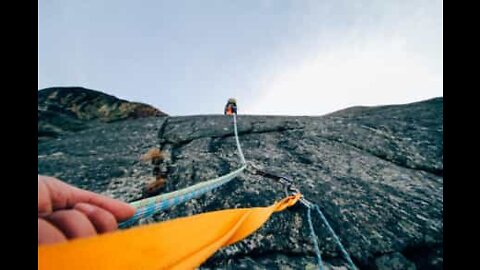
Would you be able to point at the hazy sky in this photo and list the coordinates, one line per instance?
(294, 57)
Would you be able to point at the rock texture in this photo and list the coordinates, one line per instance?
(376, 173)
(62, 109)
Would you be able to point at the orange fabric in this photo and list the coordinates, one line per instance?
(182, 243)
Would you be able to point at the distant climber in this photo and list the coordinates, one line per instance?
(231, 107)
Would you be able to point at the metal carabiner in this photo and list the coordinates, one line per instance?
(287, 183)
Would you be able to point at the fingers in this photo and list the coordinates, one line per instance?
(55, 194)
(82, 221)
(119, 209)
(66, 212)
(44, 202)
(72, 223)
(49, 234)
(102, 220)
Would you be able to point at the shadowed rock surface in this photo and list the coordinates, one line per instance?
(70, 109)
(376, 173)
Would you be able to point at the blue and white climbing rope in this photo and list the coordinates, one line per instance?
(313, 235)
(240, 152)
(149, 206)
(345, 254)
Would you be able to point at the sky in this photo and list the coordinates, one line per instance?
(276, 57)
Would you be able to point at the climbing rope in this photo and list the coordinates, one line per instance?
(240, 152)
(345, 254)
(314, 239)
(290, 187)
(210, 231)
(149, 206)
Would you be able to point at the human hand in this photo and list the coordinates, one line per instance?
(66, 212)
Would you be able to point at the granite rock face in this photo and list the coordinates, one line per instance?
(70, 109)
(375, 172)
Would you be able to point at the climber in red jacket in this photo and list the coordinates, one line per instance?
(231, 107)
